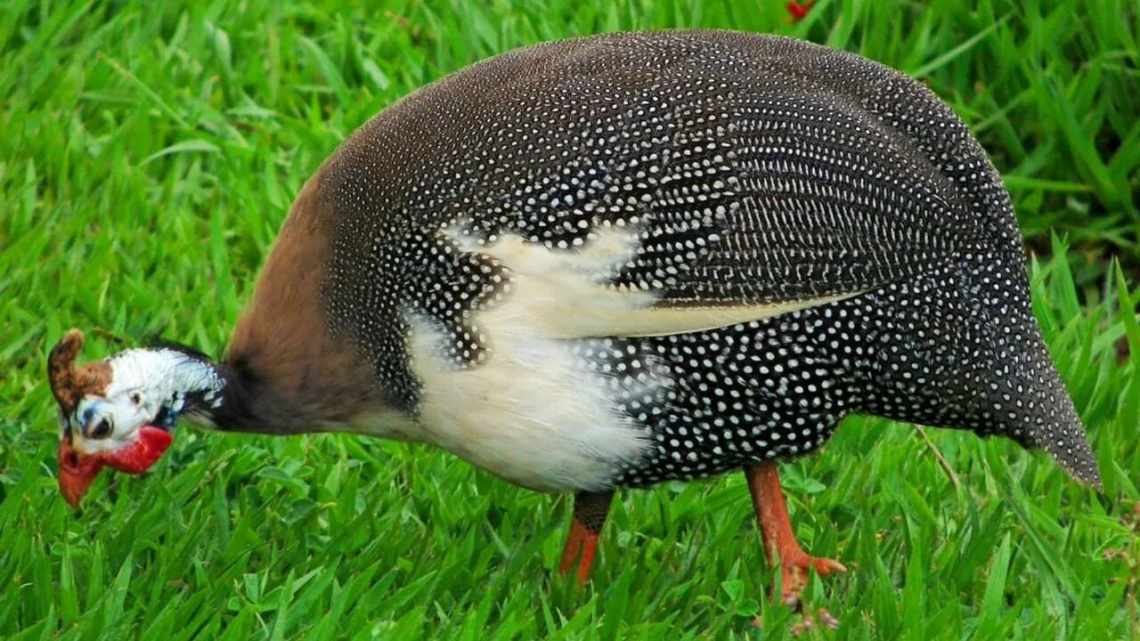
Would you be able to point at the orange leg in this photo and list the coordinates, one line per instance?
(779, 540)
(590, 511)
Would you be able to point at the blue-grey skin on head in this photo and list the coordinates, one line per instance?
(750, 171)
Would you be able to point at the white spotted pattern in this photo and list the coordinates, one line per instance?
(748, 173)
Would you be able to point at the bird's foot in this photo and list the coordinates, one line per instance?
(794, 567)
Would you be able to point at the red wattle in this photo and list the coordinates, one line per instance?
(76, 472)
(140, 455)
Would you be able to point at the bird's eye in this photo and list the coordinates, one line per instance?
(102, 429)
(136, 398)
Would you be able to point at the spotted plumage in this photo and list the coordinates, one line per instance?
(747, 174)
(625, 259)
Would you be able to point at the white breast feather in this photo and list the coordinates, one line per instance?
(532, 412)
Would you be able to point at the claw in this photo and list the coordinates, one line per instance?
(809, 621)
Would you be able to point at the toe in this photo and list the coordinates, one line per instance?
(794, 575)
(823, 567)
(821, 619)
(826, 619)
(794, 580)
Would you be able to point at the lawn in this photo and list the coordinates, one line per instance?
(149, 153)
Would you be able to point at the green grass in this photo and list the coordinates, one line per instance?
(147, 157)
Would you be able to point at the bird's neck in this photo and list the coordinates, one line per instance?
(244, 403)
(250, 404)
(253, 401)
(190, 385)
(237, 394)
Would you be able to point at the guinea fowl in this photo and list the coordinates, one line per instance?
(619, 260)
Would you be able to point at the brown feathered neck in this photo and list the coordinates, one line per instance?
(286, 373)
(252, 403)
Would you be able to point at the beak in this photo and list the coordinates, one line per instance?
(76, 472)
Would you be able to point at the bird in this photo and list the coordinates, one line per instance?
(617, 260)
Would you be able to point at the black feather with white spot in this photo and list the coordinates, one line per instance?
(753, 170)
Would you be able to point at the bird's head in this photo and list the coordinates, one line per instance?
(119, 412)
